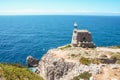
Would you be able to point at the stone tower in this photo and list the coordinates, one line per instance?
(82, 38)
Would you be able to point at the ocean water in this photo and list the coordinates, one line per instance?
(21, 36)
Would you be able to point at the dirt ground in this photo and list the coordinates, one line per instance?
(108, 74)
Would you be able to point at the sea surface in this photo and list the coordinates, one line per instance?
(21, 36)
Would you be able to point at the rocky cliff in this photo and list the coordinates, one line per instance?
(64, 63)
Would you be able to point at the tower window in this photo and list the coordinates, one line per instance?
(84, 39)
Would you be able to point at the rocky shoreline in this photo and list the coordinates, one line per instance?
(63, 63)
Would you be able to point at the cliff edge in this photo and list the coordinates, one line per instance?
(68, 63)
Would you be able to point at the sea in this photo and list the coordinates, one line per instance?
(34, 35)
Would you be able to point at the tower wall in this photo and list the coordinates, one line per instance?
(74, 38)
(82, 38)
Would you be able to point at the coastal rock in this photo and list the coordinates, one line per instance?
(58, 70)
(63, 63)
(54, 68)
(32, 62)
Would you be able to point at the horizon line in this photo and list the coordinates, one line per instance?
(57, 15)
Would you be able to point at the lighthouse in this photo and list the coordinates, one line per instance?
(75, 26)
(81, 38)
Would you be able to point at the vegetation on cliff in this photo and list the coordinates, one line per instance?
(85, 61)
(116, 56)
(65, 47)
(16, 72)
(84, 76)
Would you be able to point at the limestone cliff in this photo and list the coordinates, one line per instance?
(64, 63)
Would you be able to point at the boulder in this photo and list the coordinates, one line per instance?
(32, 62)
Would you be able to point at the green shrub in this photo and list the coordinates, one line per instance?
(85, 61)
(118, 46)
(73, 55)
(118, 61)
(84, 76)
(64, 47)
(12, 72)
(95, 61)
(116, 56)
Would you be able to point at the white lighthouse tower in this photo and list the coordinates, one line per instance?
(74, 37)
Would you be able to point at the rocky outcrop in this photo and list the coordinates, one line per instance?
(32, 62)
(54, 68)
(63, 63)
(58, 70)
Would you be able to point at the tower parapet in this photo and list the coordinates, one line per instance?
(82, 38)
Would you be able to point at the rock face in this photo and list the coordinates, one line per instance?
(54, 68)
(32, 62)
(64, 64)
(58, 70)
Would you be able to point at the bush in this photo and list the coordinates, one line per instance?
(85, 61)
(64, 47)
(12, 72)
(84, 76)
(118, 61)
(118, 46)
(73, 55)
(95, 61)
(116, 56)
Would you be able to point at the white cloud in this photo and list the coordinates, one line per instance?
(47, 11)
(40, 11)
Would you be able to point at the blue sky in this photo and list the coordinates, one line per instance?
(71, 7)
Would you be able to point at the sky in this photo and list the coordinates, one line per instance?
(60, 7)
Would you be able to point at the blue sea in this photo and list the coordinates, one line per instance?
(21, 36)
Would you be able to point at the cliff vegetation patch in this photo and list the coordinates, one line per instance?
(16, 72)
(85, 76)
(65, 47)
